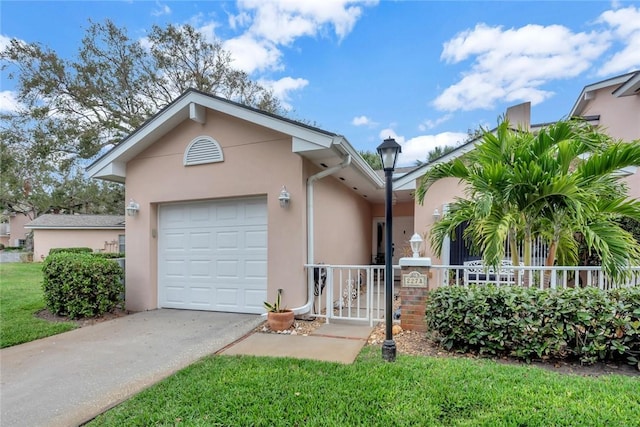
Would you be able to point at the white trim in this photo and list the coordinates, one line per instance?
(587, 94)
(179, 111)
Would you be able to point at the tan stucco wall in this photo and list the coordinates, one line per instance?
(44, 240)
(619, 117)
(441, 192)
(17, 230)
(257, 162)
(342, 221)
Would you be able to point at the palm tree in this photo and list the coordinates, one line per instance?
(558, 182)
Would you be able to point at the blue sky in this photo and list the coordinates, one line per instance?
(424, 72)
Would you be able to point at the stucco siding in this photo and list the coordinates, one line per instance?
(441, 192)
(342, 224)
(257, 162)
(618, 116)
(44, 240)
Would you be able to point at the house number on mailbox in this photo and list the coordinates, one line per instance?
(414, 280)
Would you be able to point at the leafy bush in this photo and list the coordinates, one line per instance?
(109, 255)
(72, 250)
(585, 323)
(81, 284)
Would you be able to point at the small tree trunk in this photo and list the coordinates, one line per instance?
(551, 259)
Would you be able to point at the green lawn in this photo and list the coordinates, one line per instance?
(20, 299)
(251, 391)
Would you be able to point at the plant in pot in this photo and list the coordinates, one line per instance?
(278, 318)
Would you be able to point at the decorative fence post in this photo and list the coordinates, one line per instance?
(413, 292)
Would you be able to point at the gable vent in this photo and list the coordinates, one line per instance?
(201, 150)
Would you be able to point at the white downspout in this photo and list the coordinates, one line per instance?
(310, 230)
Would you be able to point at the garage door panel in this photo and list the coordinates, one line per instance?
(200, 269)
(255, 298)
(255, 239)
(255, 269)
(200, 240)
(222, 255)
(200, 296)
(175, 241)
(176, 268)
(227, 297)
(199, 214)
(227, 269)
(227, 240)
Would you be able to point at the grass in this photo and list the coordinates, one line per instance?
(252, 391)
(20, 299)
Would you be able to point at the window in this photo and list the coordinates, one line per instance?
(121, 243)
(201, 150)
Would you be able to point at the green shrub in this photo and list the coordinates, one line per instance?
(81, 284)
(588, 324)
(109, 255)
(72, 250)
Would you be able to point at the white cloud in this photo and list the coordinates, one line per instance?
(9, 102)
(283, 87)
(418, 147)
(625, 28)
(271, 24)
(162, 9)
(283, 21)
(251, 55)
(363, 121)
(430, 124)
(512, 65)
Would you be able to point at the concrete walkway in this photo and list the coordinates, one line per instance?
(67, 379)
(331, 342)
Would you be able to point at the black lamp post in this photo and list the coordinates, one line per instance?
(388, 151)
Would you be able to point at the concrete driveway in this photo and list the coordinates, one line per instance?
(67, 379)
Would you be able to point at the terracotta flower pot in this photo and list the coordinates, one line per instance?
(279, 321)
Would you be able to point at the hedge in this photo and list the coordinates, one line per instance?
(71, 250)
(587, 324)
(81, 284)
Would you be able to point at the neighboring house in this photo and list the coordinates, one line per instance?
(102, 233)
(205, 177)
(12, 231)
(612, 104)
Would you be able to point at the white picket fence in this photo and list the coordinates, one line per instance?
(357, 292)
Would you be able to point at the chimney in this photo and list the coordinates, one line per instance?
(519, 116)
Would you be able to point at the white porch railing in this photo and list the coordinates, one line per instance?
(350, 292)
(541, 277)
(357, 292)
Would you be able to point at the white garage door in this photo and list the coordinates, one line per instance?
(213, 255)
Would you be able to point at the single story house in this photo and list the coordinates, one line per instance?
(102, 233)
(12, 230)
(228, 203)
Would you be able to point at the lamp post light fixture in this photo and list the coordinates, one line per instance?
(436, 215)
(388, 151)
(132, 208)
(415, 242)
(284, 197)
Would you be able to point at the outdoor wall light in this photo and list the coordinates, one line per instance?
(284, 197)
(436, 215)
(132, 208)
(415, 242)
